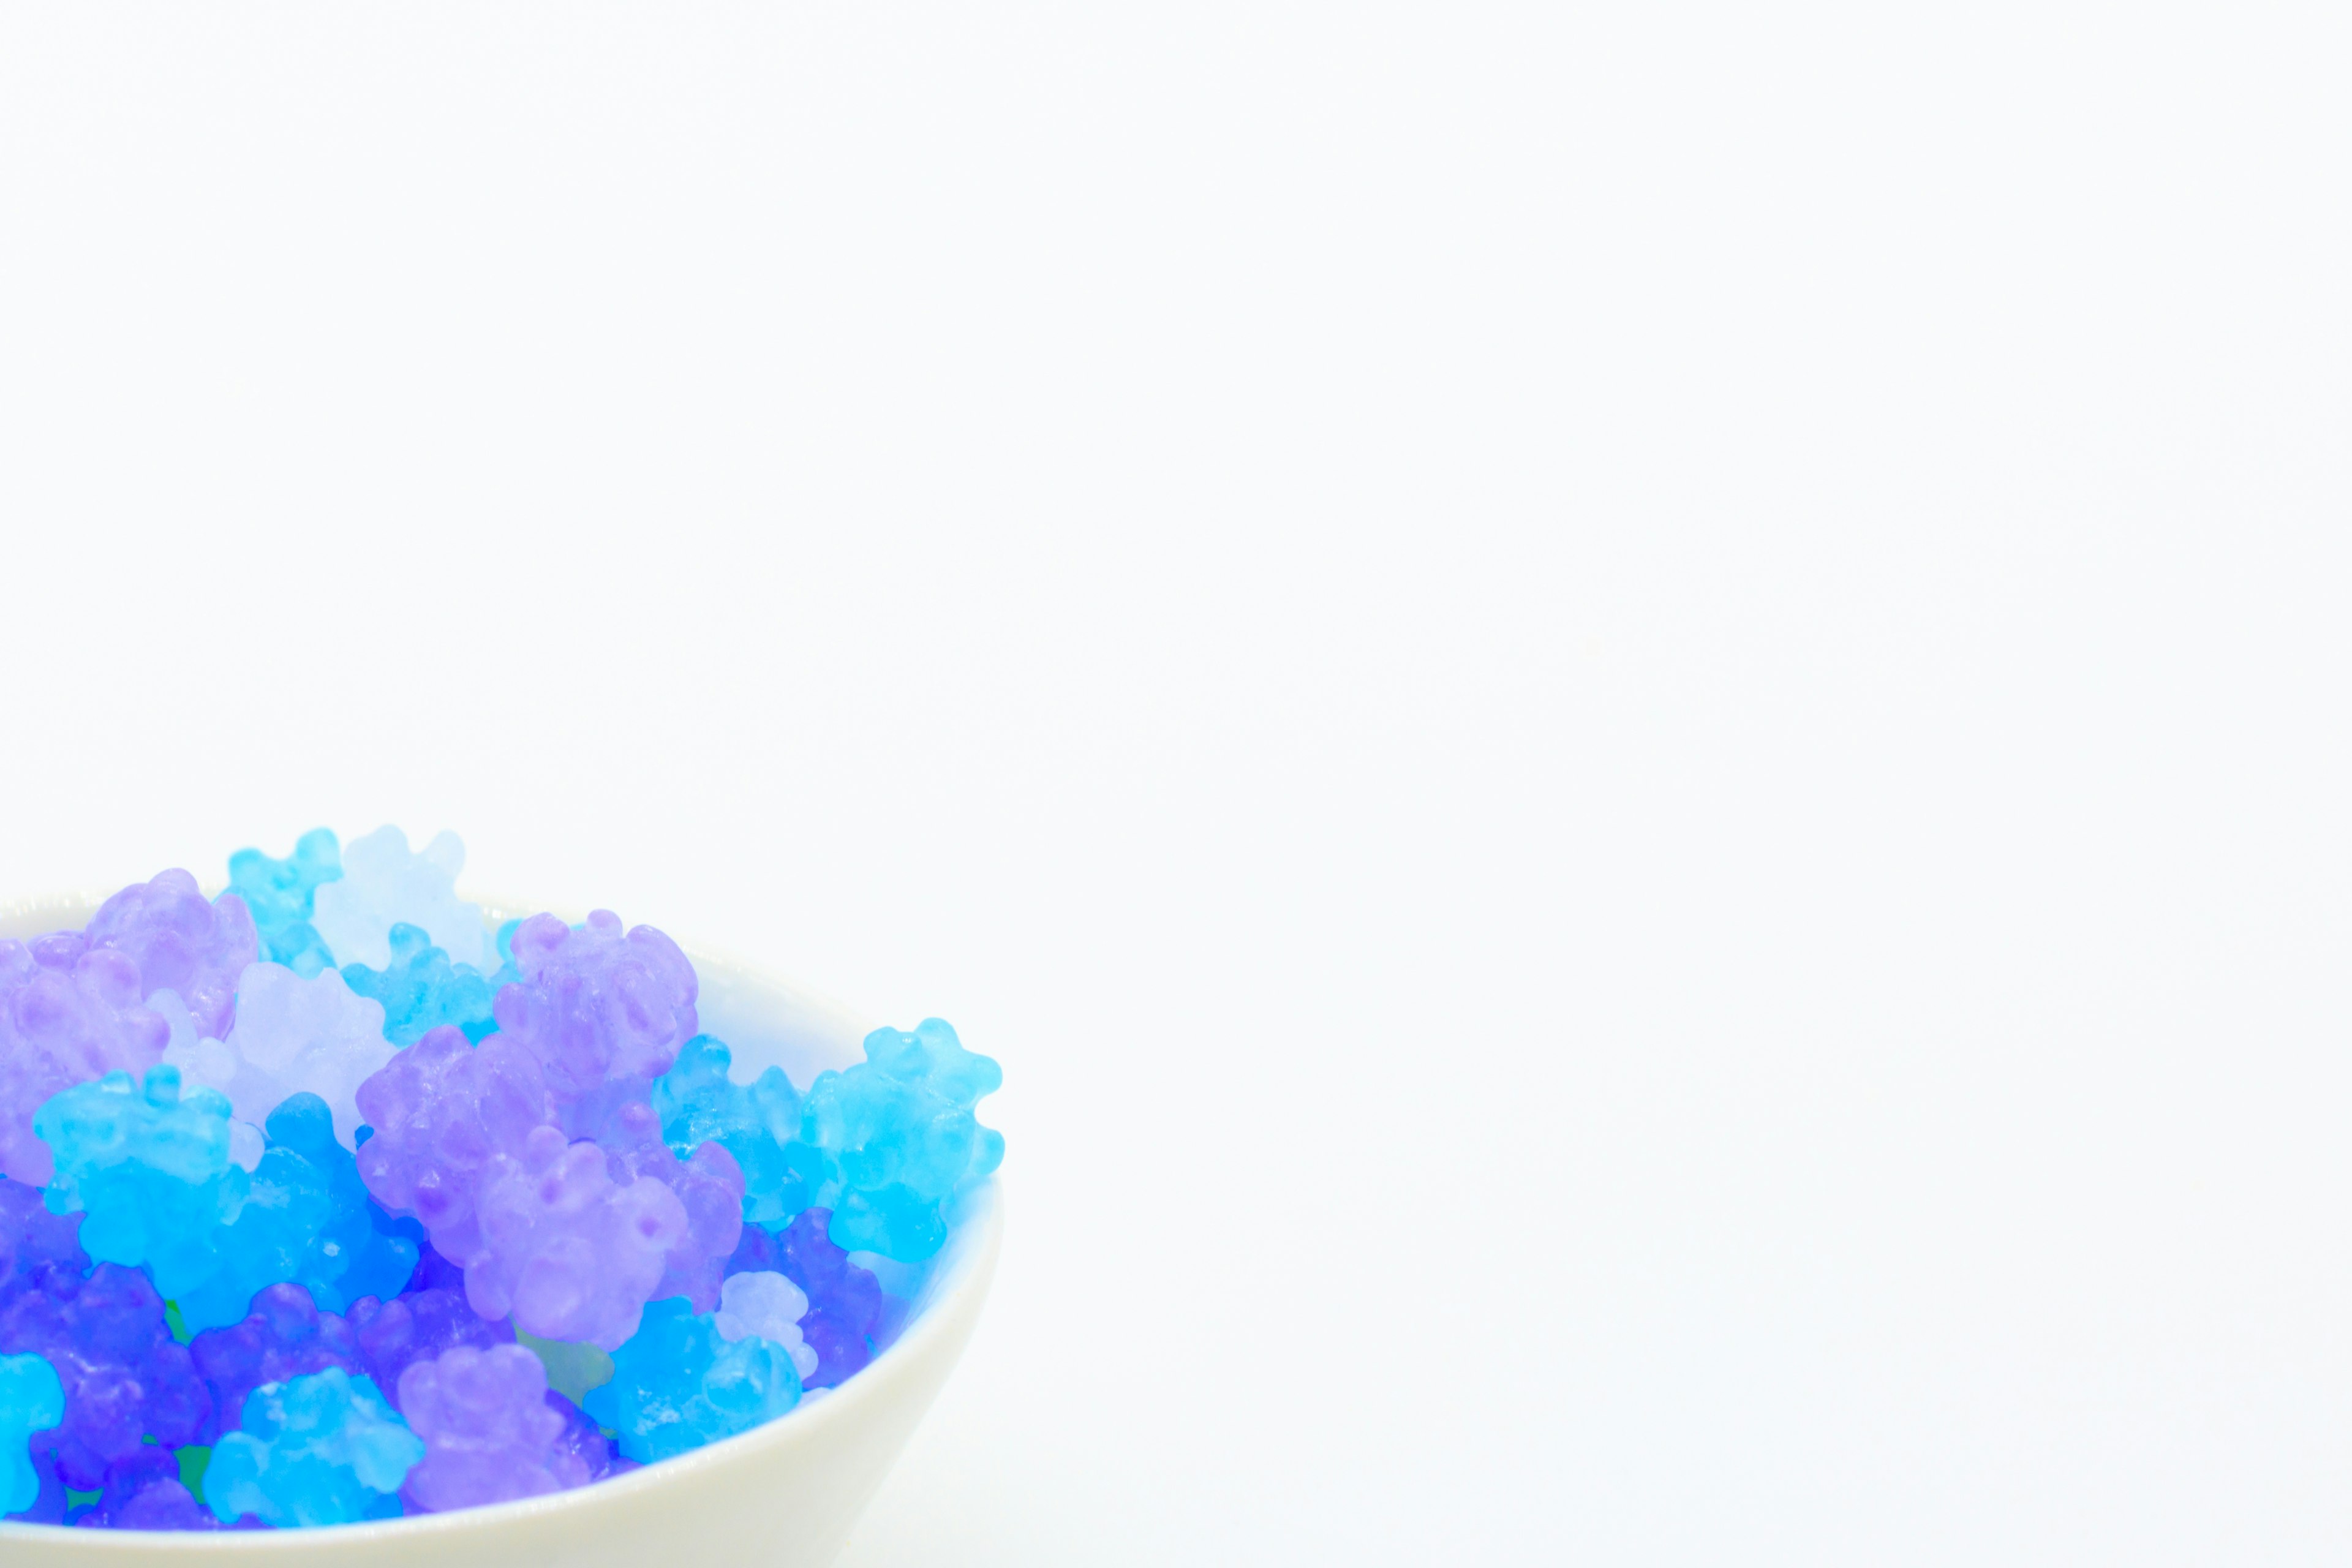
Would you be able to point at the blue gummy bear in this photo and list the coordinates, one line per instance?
(898, 1140)
(678, 1384)
(759, 1125)
(308, 1219)
(279, 894)
(320, 1450)
(150, 1170)
(32, 1400)
(422, 990)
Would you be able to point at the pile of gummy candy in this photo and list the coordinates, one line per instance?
(471, 1217)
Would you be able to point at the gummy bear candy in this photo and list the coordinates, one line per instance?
(844, 1309)
(145, 1491)
(308, 1218)
(709, 1187)
(677, 1385)
(584, 1444)
(279, 893)
(31, 1238)
(148, 1168)
(320, 1450)
(423, 990)
(769, 1306)
(292, 1035)
(603, 1013)
(568, 1253)
(124, 1376)
(181, 943)
(489, 1432)
(698, 1103)
(444, 1112)
(419, 1326)
(68, 1013)
(899, 1141)
(384, 885)
(284, 1336)
(31, 1400)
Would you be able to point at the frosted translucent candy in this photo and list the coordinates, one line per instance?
(677, 1385)
(181, 942)
(769, 1306)
(445, 1114)
(125, 1377)
(489, 1432)
(420, 1325)
(284, 1336)
(757, 1123)
(383, 884)
(321, 1449)
(68, 1013)
(148, 1168)
(31, 1400)
(292, 1035)
(565, 1251)
(899, 1141)
(603, 1011)
(422, 990)
(279, 894)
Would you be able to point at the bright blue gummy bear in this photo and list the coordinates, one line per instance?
(150, 1170)
(678, 1384)
(759, 1125)
(31, 1400)
(899, 1141)
(421, 990)
(279, 894)
(320, 1449)
(308, 1219)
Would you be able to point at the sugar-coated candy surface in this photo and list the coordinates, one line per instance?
(182, 942)
(319, 1202)
(604, 1012)
(31, 1400)
(489, 1432)
(279, 893)
(285, 1336)
(419, 1325)
(899, 1141)
(291, 1036)
(769, 1306)
(680, 1383)
(384, 885)
(149, 1167)
(320, 1449)
(308, 1218)
(68, 1013)
(759, 1124)
(421, 989)
(125, 1377)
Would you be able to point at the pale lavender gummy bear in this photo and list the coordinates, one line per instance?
(564, 1251)
(444, 1111)
(490, 1434)
(604, 1013)
(182, 942)
(709, 1187)
(69, 1012)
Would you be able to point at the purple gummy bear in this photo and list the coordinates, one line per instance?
(69, 1012)
(583, 1442)
(31, 1236)
(489, 1432)
(844, 1300)
(603, 1013)
(418, 1326)
(181, 943)
(709, 1187)
(435, 1272)
(50, 1505)
(565, 1251)
(125, 1377)
(284, 1336)
(143, 1491)
(444, 1111)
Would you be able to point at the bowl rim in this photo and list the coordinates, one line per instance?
(967, 1267)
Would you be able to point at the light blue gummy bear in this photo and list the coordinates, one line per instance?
(678, 1384)
(759, 1125)
(899, 1139)
(320, 1449)
(307, 1219)
(31, 1400)
(280, 895)
(150, 1170)
(422, 990)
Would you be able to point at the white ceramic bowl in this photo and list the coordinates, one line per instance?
(781, 1496)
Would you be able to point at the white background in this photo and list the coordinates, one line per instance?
(1632, 730)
